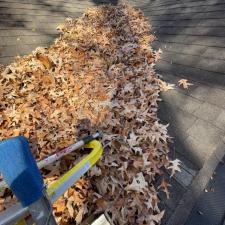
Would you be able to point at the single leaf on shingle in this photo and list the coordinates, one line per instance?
(164, 186)
(166, 86)
(184, 83)
(158, 54)
(175, 166)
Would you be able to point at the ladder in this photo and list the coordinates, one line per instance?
(22, 175)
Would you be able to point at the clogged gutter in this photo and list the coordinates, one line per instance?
(98, 75)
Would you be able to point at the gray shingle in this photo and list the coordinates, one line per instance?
(184, 102)
(208, 112)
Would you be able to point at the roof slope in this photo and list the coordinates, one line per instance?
(192, 36)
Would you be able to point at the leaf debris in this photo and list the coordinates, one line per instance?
(184, 83)
(98, 75)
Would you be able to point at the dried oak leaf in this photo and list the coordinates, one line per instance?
(164, 86)
(184, 83)
(138, 184)
(157, 217)
(158, 54)
(101, 204)
(175, 166)
(59, 206)
(1, 92)
(45, 60)
(165, 185)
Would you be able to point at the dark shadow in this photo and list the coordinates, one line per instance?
(167, 114)
(100, 2)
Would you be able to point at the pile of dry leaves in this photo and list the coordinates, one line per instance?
(99, 75)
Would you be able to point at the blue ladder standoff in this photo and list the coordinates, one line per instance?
(21, 173)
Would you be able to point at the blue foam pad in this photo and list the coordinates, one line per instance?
(20, 170)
